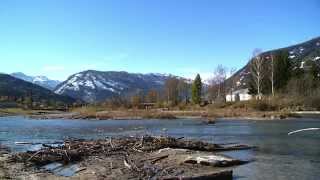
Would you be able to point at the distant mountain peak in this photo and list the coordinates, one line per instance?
(42, 81)
(20, 89)
(93, 85)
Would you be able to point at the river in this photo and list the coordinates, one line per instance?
(279, 156)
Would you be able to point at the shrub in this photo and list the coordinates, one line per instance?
(312, 102)
(262, 105)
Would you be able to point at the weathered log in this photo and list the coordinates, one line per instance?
(214, 160)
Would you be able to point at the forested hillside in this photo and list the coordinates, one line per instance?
(298, 64)
(13, 90)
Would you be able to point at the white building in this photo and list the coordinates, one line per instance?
(239, 95)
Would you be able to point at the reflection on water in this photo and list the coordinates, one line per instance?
(279, 156)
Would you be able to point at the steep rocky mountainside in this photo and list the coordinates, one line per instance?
(92, 86)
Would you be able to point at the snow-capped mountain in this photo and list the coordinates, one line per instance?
(42, 81)
(92, 86)
(299, 54)
(15, 88)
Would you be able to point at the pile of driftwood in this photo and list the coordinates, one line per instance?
(75, 150)
(129, 149)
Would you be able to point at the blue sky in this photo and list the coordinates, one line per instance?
(57, 38)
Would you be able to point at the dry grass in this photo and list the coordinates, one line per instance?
(268, 108)
(136, 114)
(240, 110)
(88, 111)
(15, 111)
(101, 113)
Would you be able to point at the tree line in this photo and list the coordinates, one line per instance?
(275, 73)
(176, 91)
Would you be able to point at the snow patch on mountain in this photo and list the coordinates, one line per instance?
(301, 49)
(40, 79)
(292, 56)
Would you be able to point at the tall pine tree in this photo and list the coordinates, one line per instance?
(196, 90)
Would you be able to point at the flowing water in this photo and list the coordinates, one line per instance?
(279, 156)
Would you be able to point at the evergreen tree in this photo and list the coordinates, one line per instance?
(196, 90)
(282, 71)
(315, 71)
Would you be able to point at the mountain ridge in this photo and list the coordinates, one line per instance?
(15, 89)
(42, 81)
(93, 86)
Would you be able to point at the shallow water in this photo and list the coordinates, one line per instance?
(279, 156)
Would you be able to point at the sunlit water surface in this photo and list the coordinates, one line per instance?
(279, 156)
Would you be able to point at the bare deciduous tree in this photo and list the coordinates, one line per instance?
(184, 91)
(152, 96)
(232, 71)
(217, 87)
(171, 90)
(272, 74)
(257, 71)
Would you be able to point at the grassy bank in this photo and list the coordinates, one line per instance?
(25, 112)
(264, 109)
(100, 113)
(241, 111)
(15, 111)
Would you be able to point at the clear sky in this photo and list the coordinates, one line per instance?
(57, 38)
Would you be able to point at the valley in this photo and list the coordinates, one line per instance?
(159, 90)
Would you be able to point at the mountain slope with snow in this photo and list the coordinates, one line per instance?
(15, 89)
(299, 55)
(42, 81)
(93, 86)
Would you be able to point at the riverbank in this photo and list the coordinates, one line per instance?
(143, 157)
(128, 114)
(26, 112)
(131, 114)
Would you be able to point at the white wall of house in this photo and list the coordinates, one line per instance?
(230, 98)
(245, 97)
(239, 95)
